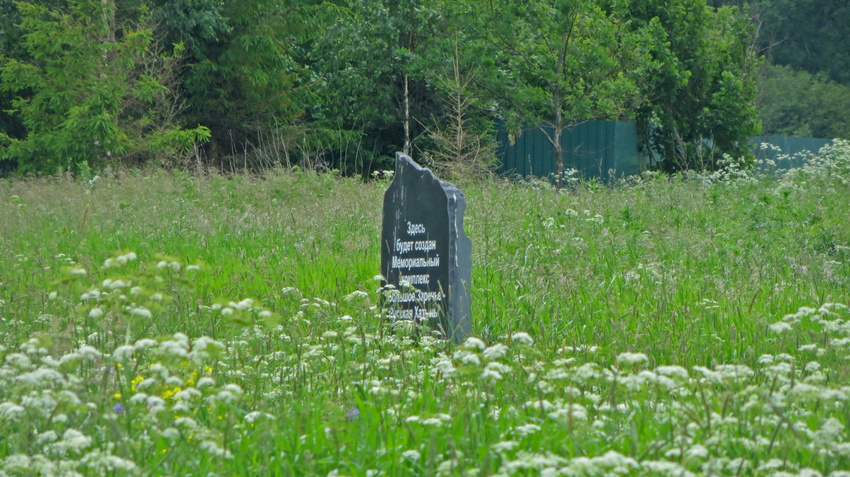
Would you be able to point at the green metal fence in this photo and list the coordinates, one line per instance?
(786, 152)
(608, 149)
(601, 149)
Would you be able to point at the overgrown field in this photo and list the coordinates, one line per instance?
(154, 323)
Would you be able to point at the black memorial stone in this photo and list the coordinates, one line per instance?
(423, 244)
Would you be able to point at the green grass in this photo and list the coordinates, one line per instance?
(628, 330)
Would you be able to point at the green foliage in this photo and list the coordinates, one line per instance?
(463, 140)
(552, 64)
(86, 96)
(10, 46)
(246, 71)
(796, 103)
(701, 102)
(364, 60)
(340, 84)
(810, 35)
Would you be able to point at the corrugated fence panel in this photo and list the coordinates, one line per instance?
(592, 148)
(793, 151)
(608, 149)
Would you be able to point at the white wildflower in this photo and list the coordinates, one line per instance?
(144, 344)
(138, 398)
(187, 394)
(779, 327)
(540, 405)
(630, 359)
(72, 441)
(526, 429)
(569, 412)
(491, 374)
(40, 378)
(18, 360)
(665, 468)
(494, 352)
(522, 338)
(47, 437)
(216, 450)
(88, 353)
(16, 464)
(503, 446)
(467, 357)
(697, 452)
(242, 305)
(10, 411)
(254, 416)
(412, 455)
(445, 367)
(104, 463)
(123, 353)
(673, 371)
(474, 343)
(154, 403)
(357, 294)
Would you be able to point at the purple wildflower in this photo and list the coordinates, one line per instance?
(118, 408)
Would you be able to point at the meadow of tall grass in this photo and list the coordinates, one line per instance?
(160, 323)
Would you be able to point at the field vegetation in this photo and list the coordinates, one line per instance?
(161, 323)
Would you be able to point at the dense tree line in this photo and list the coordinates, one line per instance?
(804, 87)
(344, 84)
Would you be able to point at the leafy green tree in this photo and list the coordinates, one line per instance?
(376, 79)
(90, 93)
(462, 140)
(701, 102)
(11, 46)
(796, 103)
(246, 63)
(553, 63)
(810, 35)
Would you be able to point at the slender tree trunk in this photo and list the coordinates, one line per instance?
(559, 157)
(406, 117)
(110, 5)
(459, 87)
(556, 143)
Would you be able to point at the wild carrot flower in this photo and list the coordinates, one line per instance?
(522, 338)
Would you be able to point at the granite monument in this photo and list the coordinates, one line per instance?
(425, 253)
